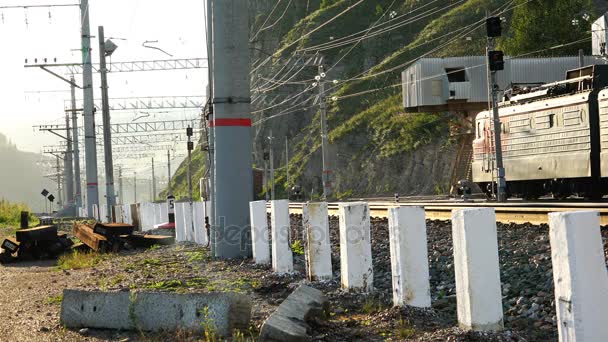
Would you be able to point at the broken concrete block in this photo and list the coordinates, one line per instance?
(289, 321)
(155, 311)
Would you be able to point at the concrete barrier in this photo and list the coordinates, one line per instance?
(180, 227)
(476, 266)
(355, 247)
(188, 223)
(580, 276)
(155, 311)
(409, 257)
(200, 230)
(282, 256)
(259, 232)
(318, 248)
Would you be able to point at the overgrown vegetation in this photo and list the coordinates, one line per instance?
(10, 213)
(78, 260)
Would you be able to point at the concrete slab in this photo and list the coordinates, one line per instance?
(155, 311)
(580, 276)
(289, 321)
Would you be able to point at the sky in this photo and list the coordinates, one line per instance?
(31, 96)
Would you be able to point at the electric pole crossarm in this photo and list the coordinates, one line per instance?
(61, 77)
(132, 127)
(134, 66)
(147, 103)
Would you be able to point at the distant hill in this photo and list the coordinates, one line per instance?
(21, 175)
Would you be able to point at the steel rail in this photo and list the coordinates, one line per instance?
(519, 213)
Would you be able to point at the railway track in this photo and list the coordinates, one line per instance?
(510, 212)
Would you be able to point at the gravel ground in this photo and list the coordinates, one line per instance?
(29, 291)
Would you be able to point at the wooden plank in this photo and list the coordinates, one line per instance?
(113, 229)
(145, 241)
(10, 245)
(43, 233)
(85, 233)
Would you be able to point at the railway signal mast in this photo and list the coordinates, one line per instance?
(496, 63)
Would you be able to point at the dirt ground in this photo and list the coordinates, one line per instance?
(30, 292)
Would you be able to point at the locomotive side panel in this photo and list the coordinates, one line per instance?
(603, 113)
(541, 140)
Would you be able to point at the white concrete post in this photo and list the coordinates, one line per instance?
(282, 257)
(200, 231)
(476, 267)
(259, 232)
(180, 228)
(318, 249)
(409, 257)
(355, 247)
(580, 276)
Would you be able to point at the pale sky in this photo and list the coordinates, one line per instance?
(51, 33)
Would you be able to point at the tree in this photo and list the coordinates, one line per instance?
(540, 24)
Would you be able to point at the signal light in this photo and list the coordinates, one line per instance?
(494, 27)
(496, 59)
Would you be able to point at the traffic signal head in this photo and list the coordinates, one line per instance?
(493, 27)
(496, 60)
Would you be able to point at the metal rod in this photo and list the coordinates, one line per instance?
(501, 186)
(153, 182)
(270, 151)
(107, 132)
(287, 164)
(69, 170)
(120, 189)
(323, 108)
(169, 191)
(134, 187)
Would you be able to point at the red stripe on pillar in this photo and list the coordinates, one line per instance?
(231, 122)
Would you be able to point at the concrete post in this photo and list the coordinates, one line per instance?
(90, 144)
(75, 147)
(580, 276)
(259, 232)
(232, 128)
(318, 249)
(107, 131)
(355, 247)
(478, 293)
(282, 257)
(409, 257)
(69, 170)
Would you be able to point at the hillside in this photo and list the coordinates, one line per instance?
(22, 176)
(375, 148)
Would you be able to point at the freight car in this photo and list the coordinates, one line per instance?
(554, 139)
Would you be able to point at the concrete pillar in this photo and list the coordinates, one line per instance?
(200, 231)
(282, 257)
(318, 249)
(259, 232)
(409, 257)
(188, 223)
(580, 276)
(355, 247)
(180, 228)
(478, 293)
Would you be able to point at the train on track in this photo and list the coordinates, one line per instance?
(554, 139)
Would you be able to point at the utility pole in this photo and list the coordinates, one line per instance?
(106, 49)
(134, 186)
(212, 197)
(153, 182)
(190, 147)
(270, 139)
(69, 171)
(169, 192)
(232, 127)
(287, 164)
(75, 148)
(90, 147)
(496, 63)
(266, 159)
(323, 107)
(120, 192)
(59, 198)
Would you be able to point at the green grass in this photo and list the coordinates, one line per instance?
(10, 213)
(78, 260)
(54, 300)
(197, 256)
(297, 247)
